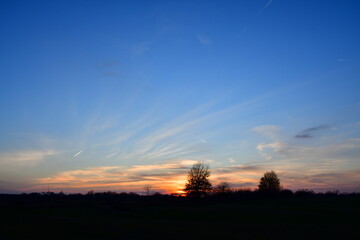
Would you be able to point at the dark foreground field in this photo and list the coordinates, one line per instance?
(165, 217)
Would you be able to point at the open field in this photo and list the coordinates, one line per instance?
(179, 218)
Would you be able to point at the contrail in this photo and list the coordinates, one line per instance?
(202, 140)
(266, 6)
(78, 153)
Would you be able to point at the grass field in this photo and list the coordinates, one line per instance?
(273, 218)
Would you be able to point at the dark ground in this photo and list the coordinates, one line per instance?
(165, 217)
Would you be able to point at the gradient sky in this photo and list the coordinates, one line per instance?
(113, 95)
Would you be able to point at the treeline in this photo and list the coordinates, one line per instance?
(123, 200)
(197, 188)
(198, 185)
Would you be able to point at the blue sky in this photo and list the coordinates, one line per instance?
(113, 95)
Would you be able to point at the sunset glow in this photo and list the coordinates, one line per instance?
(116, 95)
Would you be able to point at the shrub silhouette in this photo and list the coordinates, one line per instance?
(269, 182)
(198, 183)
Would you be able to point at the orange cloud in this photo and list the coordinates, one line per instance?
(167, 177)
(171, 177)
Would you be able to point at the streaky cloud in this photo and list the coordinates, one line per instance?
(166, 177)
(26, 155)
(343, 60)
(317, 128)
(239, 168)
(303, 135)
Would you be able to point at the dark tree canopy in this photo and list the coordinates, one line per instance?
(269, 182)
(198, 183)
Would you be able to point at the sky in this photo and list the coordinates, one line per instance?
(115, 95)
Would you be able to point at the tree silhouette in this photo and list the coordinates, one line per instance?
(198, 183)
(269, 182)
(223, 187)
(147, 189)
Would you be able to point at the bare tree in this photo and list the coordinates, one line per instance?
(223, 187)
(269, 182)
(147, 189)
(198, 182)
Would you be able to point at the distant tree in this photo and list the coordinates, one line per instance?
(223, 187)
(332, 193)
(269, 182)
(147, 189)
(304, 193)
(198, 182)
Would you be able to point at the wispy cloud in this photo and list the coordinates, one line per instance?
(343, 60)
(330, 180)
(111, 63)
(149, 138)
(26, 156)
(204, 40)
(277, 147)
(238, 175)
(267, 130)
(292, 152)
(177, 137)
(240, 169)
(140, 48)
